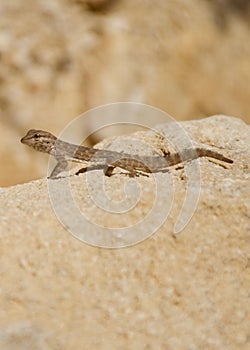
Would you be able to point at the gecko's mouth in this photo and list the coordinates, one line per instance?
(25, 140)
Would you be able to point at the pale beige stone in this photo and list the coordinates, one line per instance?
(189, 291)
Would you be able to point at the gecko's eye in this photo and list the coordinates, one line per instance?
(36, 136)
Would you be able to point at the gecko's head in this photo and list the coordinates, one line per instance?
(40, 140)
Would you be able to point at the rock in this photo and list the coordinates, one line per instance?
(189, 290)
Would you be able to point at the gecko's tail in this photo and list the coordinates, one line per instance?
(193, 153)
(202, 152)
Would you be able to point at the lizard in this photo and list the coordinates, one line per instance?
(107, 160)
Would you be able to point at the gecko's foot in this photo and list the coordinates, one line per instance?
(81, 171)
(108, 171)
(179, 167)
(165, 152)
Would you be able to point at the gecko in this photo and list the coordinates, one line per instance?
(134, 165)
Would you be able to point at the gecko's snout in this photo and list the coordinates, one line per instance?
(25, 140)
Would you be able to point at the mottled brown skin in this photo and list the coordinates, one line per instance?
(135, 165)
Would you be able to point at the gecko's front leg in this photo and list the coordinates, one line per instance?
(131, 172)
(90, 168)
(62, 165)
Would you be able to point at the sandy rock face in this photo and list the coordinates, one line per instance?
(189, 290)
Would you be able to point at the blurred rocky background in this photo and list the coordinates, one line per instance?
(59, 58)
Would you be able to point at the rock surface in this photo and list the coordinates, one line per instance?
(61, 58)
(185, 291)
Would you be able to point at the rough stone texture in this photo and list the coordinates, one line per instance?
(58, 58)
(186, 292)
